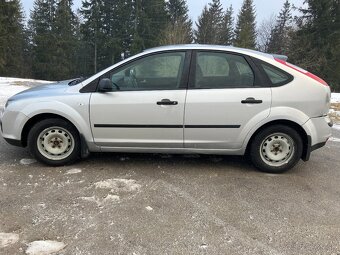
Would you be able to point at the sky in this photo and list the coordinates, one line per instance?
(264, 8)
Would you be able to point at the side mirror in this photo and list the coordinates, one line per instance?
(105, 85)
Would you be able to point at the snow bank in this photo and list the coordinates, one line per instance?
(335, 98)
(334, 112)
(12, 86)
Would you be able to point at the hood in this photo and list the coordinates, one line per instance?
(51, 89)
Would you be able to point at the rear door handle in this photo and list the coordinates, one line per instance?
(251, 100)
(167, 102)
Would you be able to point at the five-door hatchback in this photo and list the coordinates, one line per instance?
(178, 99)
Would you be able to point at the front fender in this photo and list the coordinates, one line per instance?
(77, 114)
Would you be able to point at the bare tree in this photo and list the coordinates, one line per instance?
(264, 33)
(179, 33)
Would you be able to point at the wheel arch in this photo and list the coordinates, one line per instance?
(39, 117)
(303, 134)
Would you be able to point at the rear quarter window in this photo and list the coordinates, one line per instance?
(277, 76)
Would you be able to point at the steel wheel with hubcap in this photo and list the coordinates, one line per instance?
(54, 142)
(276, 149)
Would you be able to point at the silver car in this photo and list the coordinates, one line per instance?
(178, 99)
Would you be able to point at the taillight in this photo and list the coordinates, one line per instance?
(310, 75)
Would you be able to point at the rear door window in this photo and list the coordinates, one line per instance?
(216, 70)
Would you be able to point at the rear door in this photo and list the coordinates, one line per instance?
(146, 105)
(224, 100)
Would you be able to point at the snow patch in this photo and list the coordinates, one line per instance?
(27, 161)
(12, 86)
(109, 199)
(334, 139)
(8, 239)
(149, 208)
(44, 247)
(337, 127)
(204, 246)
(74, 171)
(119, 185)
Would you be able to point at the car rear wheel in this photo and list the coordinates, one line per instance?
(54, 142)
(276, 149)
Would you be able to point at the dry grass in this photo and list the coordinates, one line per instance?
(335, 116)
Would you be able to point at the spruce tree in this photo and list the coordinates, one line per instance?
(90, 30)
(12, 39)
(43, 39)
(179, 27)
(216, 14)
(150, 22)
(279, 39)
(204, 33)
(65, 33)
(215, 26)
(227, 28)
(316, 43)
(245, 32)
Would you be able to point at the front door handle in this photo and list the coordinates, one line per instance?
(251, 100)
(167, 102)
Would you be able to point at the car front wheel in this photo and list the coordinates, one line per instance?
(276, 149)
(54, 142)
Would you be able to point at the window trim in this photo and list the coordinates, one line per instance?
(259, 64)
(183, 80)
(258, 79)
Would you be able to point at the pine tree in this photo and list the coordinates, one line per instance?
(227, 28)
(12, 39)
(279, 39)
(245, 32)
(179, 27)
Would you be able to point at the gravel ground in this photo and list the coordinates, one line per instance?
(168, 204)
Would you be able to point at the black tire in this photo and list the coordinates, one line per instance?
(290, 140)
(67, 131)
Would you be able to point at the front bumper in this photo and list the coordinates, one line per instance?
(11, 125)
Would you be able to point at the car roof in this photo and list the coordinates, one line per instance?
(249, 52)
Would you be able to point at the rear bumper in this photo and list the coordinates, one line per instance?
(310, 148)
(318, 132)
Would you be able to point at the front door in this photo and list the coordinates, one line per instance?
(146, 105)
(223, 101)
